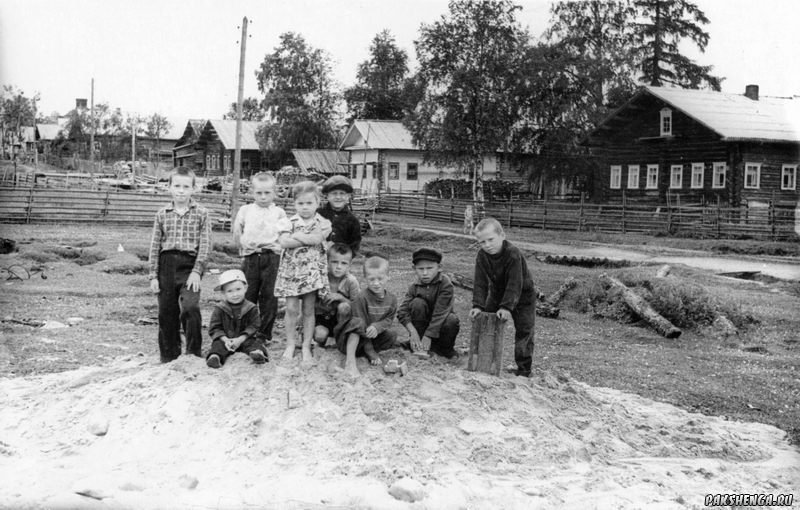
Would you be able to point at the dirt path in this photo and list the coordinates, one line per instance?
(783, 268)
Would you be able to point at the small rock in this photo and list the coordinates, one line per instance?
(120, 248)
(391, 366)
(91, 488)
(98, 425)
(53, 325)
(293, 399)
(74, 321)
(407, 489)
(188, 482)
(403, 368)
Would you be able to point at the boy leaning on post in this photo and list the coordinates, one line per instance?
(503, 285)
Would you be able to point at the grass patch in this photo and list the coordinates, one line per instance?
(227, 247)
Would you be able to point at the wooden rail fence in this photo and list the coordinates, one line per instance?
(47, 205)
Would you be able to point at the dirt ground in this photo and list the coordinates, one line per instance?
(611, 418)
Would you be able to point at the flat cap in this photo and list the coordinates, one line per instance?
(337, 182)
(426, 254)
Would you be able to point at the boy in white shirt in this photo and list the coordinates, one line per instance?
(255, 232)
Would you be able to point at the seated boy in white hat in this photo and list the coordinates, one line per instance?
(234, 323)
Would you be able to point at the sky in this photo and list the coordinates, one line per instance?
(180, 58)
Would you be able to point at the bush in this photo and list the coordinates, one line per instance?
(462, 189)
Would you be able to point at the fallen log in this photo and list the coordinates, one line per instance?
(543, 307)
(642, 308)
(663, 271)
(559, 294)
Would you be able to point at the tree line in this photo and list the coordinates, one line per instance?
(483, 82)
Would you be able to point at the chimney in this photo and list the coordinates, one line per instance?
(80, 103)
(751, 91)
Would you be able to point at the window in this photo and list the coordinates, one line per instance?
(208, 161)
(616, 176)
(698, 175)
(666, 122)
(411, 171)
(363, 171)
(652, 177)
(227, 162)
(394, 171)
(720, 170)
(633, 176)
(789, 177)
(676, 177)
(752, 175)
(374, 170)
(354, 172)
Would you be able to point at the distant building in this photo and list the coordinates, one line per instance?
(698, 147)
(209, 146)
(324, 161)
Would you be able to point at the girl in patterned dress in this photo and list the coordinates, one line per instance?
(303, 269)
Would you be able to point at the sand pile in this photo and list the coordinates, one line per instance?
(137, 434)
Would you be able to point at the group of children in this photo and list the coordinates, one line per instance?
(306, 259)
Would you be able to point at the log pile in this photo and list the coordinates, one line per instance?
(642, 308)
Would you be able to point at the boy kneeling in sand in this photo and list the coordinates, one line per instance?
(234, 323)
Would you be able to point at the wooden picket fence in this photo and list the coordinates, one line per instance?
(49, 205)
(711, 221)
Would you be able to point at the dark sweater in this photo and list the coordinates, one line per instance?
(345, 226)
(503, 278)
(233, 321)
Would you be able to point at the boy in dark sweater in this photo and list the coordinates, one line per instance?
(427, 308)
(374, 309)
(234, 323)
(345, 225)
(503, 285)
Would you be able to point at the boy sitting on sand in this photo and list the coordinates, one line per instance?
(374, 309)
(234, 323)
(334, 310)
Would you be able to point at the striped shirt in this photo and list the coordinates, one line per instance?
(375, 310)
(189, 232)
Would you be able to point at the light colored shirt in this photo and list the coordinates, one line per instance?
(256, 226)
(189, 232)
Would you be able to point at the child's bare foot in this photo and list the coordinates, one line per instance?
(308, 357)
(351, 368)
(372, 355)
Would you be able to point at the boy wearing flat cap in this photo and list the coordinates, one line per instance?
(234, 323)
(427, 308)
(346, 228)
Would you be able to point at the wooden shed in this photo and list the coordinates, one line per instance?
(697, 146)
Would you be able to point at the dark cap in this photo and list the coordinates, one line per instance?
(337, 182)
(426, 254)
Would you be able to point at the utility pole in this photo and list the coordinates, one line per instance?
(91, 135)
(133, 150)
(237, 154)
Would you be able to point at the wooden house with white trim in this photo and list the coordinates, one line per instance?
(697, 146)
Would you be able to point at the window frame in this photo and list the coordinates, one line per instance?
(672, 174)
(784, 172)
(747, 166)
(702, 172)
(719, 168)
(633, 170)
(652, 170)
(665, 122)
(408, 171)
(615, 177)
(394, 171)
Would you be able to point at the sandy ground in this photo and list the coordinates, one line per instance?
(182, 435)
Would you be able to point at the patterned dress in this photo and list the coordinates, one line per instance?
(303, 269)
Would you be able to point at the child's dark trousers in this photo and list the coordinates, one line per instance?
(248, 346)
(421, 318)
(177, 306)
(261, 269)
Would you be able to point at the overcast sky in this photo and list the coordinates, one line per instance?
(180, 58)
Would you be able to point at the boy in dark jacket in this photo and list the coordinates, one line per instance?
(427, 308)
(234, 323)
(345, 225)
(503, 285)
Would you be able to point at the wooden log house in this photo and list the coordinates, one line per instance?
(698, 147)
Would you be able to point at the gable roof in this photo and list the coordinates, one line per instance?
(734, 117)
(48, 131)
(226, 132)
(325, 161)
(377, 134)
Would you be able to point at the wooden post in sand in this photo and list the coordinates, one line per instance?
(486, 344)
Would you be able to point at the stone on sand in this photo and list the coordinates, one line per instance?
(98, 424)
(407, 489)
(188, 482)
